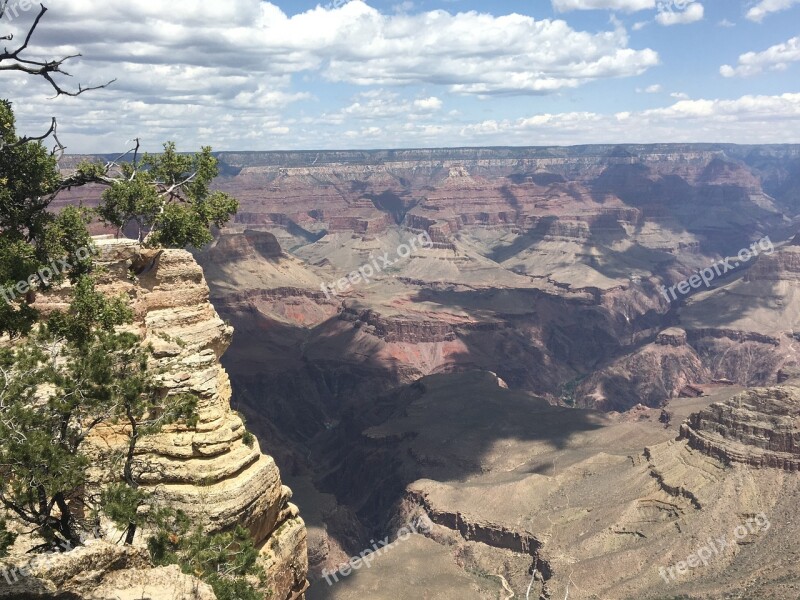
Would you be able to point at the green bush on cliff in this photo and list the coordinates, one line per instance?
(32, 237)
(6, 539)
(57, 386)
(166, 196)
(226, 561)
(67, 374)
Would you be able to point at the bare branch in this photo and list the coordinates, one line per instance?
(24, 140)
(10, 60)
(58, 149)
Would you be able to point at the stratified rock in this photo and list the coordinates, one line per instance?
(759, 427)
(212, 471)
(651, 375)
(673, 336)
(98, 571)
(233, 248)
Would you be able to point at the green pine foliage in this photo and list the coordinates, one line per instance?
(167, 196)
(57, 386)
(6, 539)
(226, 561)
(31, 237)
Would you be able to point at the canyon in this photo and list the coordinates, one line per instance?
(522, 380)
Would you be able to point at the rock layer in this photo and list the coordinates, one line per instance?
(212, 471)
(759, 427)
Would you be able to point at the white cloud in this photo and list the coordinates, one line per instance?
(470, 52)
(650, 89)
(431, 103)
(690, 14)
(625, 5)
(679, 95)
(230, 74)
(776, 57)
(474, 53)
(749, 119)
(382, 104)
(765, 7)
(726, 23)
(234, 65)
(746, 108)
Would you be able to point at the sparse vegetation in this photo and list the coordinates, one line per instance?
(6, 538)
(226, 561)
(249, 439)
(77, 369)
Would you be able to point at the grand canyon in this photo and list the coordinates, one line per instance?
(516, 372)
(399, 299)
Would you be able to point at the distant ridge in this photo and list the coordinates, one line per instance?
(307, 158)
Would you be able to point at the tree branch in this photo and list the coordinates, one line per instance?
(11, 60)
(37, 138)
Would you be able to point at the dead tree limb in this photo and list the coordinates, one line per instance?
(12, 60)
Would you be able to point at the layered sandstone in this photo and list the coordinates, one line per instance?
(759, 427)
(213, 471)
(98, 571)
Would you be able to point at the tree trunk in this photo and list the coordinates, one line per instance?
(130, 534)
(127, 471)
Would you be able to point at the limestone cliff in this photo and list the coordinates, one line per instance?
(757, 427)
(212, 471)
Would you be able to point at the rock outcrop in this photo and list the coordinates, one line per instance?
(651, 375)
(214, 472)
(759, 427)
(98, 571)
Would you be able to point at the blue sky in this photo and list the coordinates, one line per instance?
(252, 75)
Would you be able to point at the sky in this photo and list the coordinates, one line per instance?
(295, 75)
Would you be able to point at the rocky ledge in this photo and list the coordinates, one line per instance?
(759, 427)
(212, 471)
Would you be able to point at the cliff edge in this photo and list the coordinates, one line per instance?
(215, 472)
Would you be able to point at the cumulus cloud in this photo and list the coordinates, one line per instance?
(469, 52)
(746, 120)
(747, 108)
(231, 74)
(235, 65)
(682, 14)
(776, 58)
(624, 5)
(382, 104)
(473, 53)
(765, 7)
(431, 103)
(749, 119)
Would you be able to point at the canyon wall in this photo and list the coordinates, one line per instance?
(212, 471)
